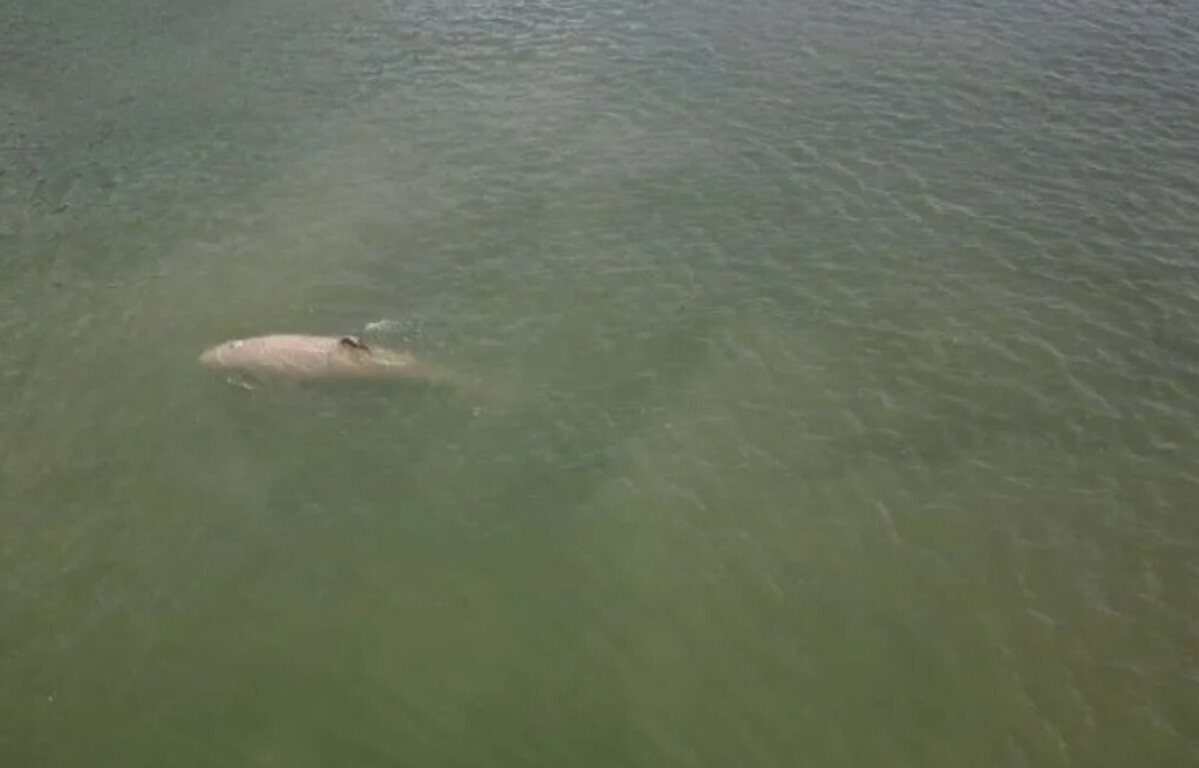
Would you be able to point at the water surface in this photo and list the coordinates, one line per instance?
(839, 402)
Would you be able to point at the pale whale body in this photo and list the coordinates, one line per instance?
(298, 357)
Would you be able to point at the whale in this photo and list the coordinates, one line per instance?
(297, 357)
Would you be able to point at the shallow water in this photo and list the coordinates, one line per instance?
(837, 396)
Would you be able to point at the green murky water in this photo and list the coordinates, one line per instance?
(838, 399)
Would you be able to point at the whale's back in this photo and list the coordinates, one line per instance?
(302, 357)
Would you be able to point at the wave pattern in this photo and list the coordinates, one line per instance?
(840, 372)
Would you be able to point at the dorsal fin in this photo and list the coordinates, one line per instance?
(352, 342)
